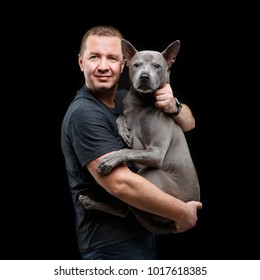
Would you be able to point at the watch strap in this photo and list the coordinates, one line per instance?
(179, 106)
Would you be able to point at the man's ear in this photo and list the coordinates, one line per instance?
(123, 65)
(80, 62)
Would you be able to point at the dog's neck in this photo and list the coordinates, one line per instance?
(146, 99)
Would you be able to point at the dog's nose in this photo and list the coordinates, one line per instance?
(144, 77)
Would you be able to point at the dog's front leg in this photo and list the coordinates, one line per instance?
(124, 130)
(107, 163)
(150, 157)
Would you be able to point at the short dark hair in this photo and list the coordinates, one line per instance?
(100, 30)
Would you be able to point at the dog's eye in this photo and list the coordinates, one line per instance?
(136, 65)
(157, 66)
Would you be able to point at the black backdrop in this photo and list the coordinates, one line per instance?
(37, 218)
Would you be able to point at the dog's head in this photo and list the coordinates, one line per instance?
(149, 70)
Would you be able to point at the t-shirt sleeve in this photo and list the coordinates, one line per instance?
(93, 133)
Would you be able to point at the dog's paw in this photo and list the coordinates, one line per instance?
(128, 138)
(103, 166)
(107, 163)
(87, 202)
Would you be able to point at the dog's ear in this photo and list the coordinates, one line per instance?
(171, 52)
(128, 50)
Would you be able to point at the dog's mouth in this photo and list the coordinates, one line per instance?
(144, 89)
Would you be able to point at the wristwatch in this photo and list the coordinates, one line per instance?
(179, 106)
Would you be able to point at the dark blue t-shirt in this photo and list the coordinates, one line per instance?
(89, 131)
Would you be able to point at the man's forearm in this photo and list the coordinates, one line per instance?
(185, 118)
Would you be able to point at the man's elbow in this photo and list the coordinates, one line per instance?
(189, 126)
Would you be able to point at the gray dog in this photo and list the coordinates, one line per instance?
(156, 143)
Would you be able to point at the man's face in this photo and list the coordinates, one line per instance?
(102, 62)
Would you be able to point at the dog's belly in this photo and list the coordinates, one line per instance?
(177, 175)
(185, 188)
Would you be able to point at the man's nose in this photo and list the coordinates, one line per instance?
(103, 64)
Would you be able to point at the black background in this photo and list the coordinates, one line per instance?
(42, 76)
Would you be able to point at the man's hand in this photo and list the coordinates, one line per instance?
(188, 221)
(165, 99)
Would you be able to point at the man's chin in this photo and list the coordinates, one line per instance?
(104, 86)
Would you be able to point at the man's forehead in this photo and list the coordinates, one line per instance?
(103, 45)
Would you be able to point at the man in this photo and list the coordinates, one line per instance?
(89, 132)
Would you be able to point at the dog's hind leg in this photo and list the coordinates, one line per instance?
(90, 204)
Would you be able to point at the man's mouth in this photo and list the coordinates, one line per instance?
(103, 78)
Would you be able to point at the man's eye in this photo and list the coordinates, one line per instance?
(113, 59)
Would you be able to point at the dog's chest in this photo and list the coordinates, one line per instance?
(147, 124)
